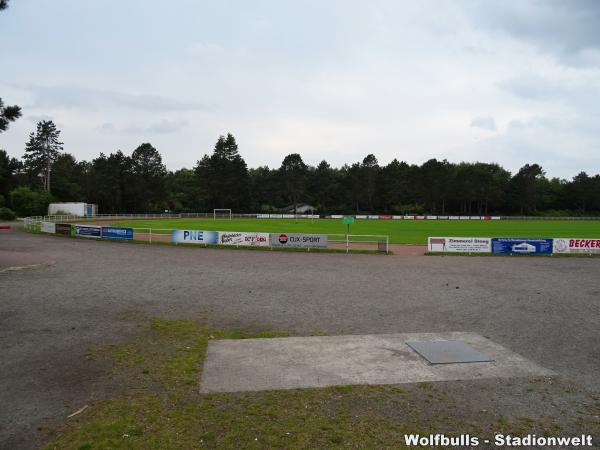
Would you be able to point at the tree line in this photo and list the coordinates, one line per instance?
(140, 183)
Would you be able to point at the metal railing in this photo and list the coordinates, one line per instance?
(342, 241)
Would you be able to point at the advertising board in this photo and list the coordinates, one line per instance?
(361, 217)
(298, 240)
(337, 216)
(385, 217)
(63, 228)
(521, 245)
(373, 217)
(576, 245)
(194, 237)
(459, 244)
(409, 217)
(240, 238)
(90, 231)
(48, 227)
(117, 233)
(397, 217)
(431, 217)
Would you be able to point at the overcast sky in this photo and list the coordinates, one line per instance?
(508, 81)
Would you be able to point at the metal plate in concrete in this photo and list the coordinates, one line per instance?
(319, 361)
(448, 352)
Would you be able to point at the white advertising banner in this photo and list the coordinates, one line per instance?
(361, 217)
(397, 217)
(409, 217)
(373, 217)
(575, 245)
(48, 227)
(298, 240)
(432, 217)
(459, 244)
(337, 216)
(262, 216)
(453, 217)
(241, 238)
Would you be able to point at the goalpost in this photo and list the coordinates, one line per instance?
(222, 213)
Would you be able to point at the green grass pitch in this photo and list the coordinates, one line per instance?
(399, 231)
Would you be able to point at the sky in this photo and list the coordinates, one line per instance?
(511, 82)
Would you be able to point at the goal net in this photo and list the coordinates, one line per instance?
(222, 214)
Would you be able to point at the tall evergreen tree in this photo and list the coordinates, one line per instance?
(42, 150)
(223, 176)
(293, 174)
(148, 176)
(7, 113)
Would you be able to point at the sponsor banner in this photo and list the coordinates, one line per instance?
(576, 245)
(464, 217)
(373, 217)
(194, 237)
(117, 233)
(495, 217)
(443, 217)
(487, 217)
(288, 216)
(48, 227)
(262, 216)
(431, 217)
(475, 217)
(420, 217)
(385, 217)
(63, 228)
(521, 245)
(91, 231)
(361, 217)
(453, 217)
(409, 217)
(337, 216)
(397, 217)
(459, 244)
(240, 238)
(298, 240)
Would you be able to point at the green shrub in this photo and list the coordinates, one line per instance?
(7, 214)
(26, 202)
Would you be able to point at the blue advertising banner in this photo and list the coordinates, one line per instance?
(117, 233)
(88, 231)
(194, 237)
(521, 245)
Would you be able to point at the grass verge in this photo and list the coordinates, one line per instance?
(162, 408)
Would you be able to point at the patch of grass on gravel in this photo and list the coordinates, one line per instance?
(161, 407)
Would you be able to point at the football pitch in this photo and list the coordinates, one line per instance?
(399, 231)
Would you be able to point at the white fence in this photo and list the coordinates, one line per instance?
(346, 242)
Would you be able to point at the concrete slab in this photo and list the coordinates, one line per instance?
(448, 352)
(319, 361)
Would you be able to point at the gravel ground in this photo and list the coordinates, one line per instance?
(87, 293)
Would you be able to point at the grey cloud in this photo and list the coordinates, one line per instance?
(162, 127)
(107, 126)
(567, 29)
(38, 118)
(533, 87)
(487, 123)
(81, 97)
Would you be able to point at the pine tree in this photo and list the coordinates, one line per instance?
(42, 150)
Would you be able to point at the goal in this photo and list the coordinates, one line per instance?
(222, 214)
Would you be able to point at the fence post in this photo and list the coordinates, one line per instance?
(151, 235)
(347, 243)
(387, 244)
